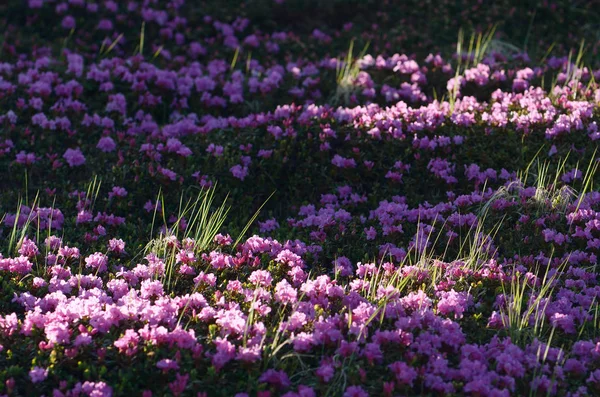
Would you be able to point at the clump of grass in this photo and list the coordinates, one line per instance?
(250, 222)
(17, 235)
(203, 224)
(104, 51)
(592, 325)
(92, 192)
(587, 185)
(503, 47)
(234, 60)
(478, 47)
(198, 220)
(346, 73)
(574, 69)
(142, 39)
(550, 193)
(573, 74)
(540, 365)
(526, 303)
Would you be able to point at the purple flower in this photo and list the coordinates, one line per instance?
(355, 391)
(454, 302)
(278, 379)
(74, 157)
(38, 374)
(167, 364)
(68, 22)
(239, 171)
(269, 225)
(26, 158)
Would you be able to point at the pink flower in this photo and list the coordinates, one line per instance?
(97, 261)
(116, 245)
(261, 277)
(151, 288)
(28, 248)
(97, 389)
(285, 293)
(20, 265)
(128, 343)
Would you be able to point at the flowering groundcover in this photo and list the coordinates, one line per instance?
(248, 199)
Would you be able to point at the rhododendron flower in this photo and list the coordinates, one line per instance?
(106, 144)
(355, 391)
(261, 277)
(116, 245)
(38, 374)
(239, 171)
(454, 302)
(25, 158)
(74, 157)
(97, 261)
(278, 379)
(167, 364)
(128, 343)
